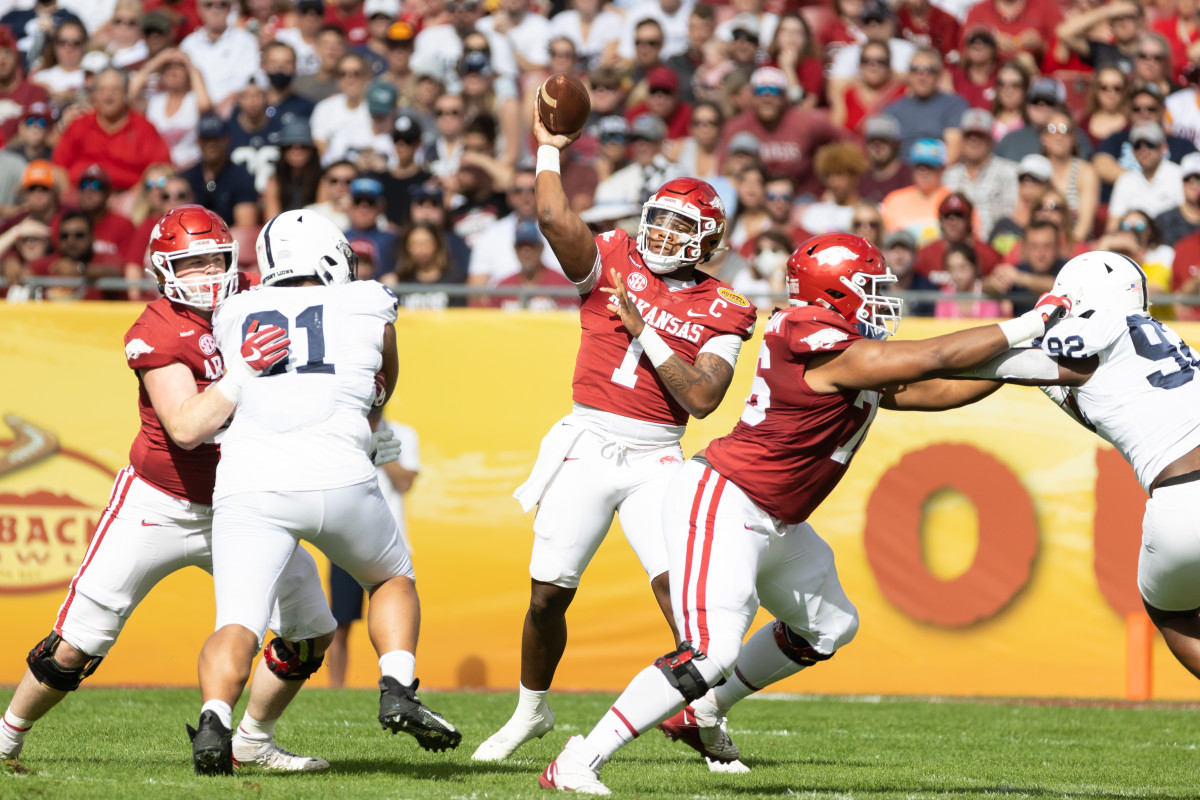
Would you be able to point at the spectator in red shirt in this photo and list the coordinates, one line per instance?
(16, 92)
(350, 17)
(974, 79)
(1021, 26)
(662, 100)
(112, 234)
(955, 218)
(114, 136)
(793, 50)
(534, 273)
(75, 258)
(926, 25)
(788, 136)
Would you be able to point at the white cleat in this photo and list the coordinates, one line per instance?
(270, 756)
(504, 742)
(573, 771)
(729, 768)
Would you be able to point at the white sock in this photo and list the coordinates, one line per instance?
(399, 664)
(254, 729)
(647, 701)
(530, 703)
(14, 727)
(221, 709)
(760, 663)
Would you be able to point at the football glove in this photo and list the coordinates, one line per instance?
(383, 447)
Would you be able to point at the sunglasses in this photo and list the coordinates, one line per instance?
(364, 201)
(521, 190)
(67, 235)
(650, 139)
(92, 183)
(1140, 143)
(216, 4)
(350, 73)
(1009, 85)
(954, 215)
(924, 69)
(1135, 227)
(605, 87)
(661, 90)
(1042, 101)
(648, 42)
(427, 201)
(768, 91)
(448, 112)
(873, 62)
(41, 122)
(1144, 109)
(175, 197)
(707, 123)
(865, 223)
(155, 183)
(337, 181)
(470, 5)
(1152, 56)
(129, 21)
(780, 196)
(562, 54)
(1059, 128)
(613, 138)
(68, 42)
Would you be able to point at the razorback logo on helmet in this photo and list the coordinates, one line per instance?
(636, 282)
(825, 338)
(733, 297)
(835, 255)
(136, 349)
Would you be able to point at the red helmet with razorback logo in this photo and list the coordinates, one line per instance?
(845, 273)
(185, 232)
(682, 224)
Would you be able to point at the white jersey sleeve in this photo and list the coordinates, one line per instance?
(302, 424)
(1144, 396)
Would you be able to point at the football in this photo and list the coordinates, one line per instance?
(563, 103)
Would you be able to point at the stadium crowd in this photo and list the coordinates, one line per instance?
(978, 144)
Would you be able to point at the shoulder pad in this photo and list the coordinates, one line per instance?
(1080, 337)
(614, 241)
(811, 329)
(153, 340)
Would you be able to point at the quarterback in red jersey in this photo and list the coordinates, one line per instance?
(660, 341)
(159, 516)
(734, 517)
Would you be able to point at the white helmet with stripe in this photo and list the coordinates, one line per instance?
(304, 244)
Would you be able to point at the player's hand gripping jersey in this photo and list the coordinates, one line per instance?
(1144, 397)
(792, 445)
(290, 434)
(610, 372)
(166, 333)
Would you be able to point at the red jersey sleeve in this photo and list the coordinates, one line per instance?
(151, 342)
(811, 329)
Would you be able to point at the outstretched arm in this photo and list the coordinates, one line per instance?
(567, 234)
(698, 387)
(936, 395)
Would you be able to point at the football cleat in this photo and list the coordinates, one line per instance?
(711, 741)
(401, 710)
(212, 746)
(10, 748)
(270, 756)
(572, 771)
(504, 742)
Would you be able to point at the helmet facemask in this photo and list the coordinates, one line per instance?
(682, 237)
(879, 315)
(201, 290)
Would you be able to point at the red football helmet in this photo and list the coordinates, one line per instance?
(187, 231)
(686, 213)
(845, 273)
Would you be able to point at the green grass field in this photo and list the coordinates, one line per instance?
(130, 743)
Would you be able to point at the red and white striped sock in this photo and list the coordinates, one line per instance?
(647, 701)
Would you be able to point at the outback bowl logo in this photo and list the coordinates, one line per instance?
(733, 297)
(208, 345)
(50, 501)
(636, 281)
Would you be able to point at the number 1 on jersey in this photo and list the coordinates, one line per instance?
(626, 374)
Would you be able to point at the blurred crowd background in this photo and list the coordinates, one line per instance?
(978, 144)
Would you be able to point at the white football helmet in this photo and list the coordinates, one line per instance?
(304, 244)
(1103, 281)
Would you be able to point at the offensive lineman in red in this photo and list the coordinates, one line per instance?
(159, 515)
(660, 341)
(734, 516)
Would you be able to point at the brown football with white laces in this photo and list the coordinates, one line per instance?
(563, 103)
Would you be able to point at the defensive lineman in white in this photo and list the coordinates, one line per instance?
(295, 466)
(1134, 382)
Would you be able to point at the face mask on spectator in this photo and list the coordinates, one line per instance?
(280, 80)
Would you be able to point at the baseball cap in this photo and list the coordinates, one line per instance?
(772, 77)
(744, 142)
(980, 32)
(900, 239)
(305, 5)
(388, 8)
(94, 61)
(528, 232)
(38, 110)
(366, 187)
(211, 127)
(475, 61)
(745, 22)
(1035, 165)
(7, 40)
(977, 120)
(648, 126)
(662, 77)
(928, 152)
(1190, 164)
(406, 129)
(155, 21)
(882, 127)
(875, 10)
(613, 126)
(381, 98)
(400, 31)
(955, 202)
(94, 174)
(295, 131)
(1146, 131)
(1047, 89)
(425, 191)
(429, 66)
(38, 172)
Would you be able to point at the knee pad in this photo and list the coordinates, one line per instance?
(796, 647)
(292, 661)
(52, 674)
(682, 673)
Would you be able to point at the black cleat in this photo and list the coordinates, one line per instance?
(400, 710)
(212, 746)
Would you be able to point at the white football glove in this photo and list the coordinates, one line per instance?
(383, 447)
